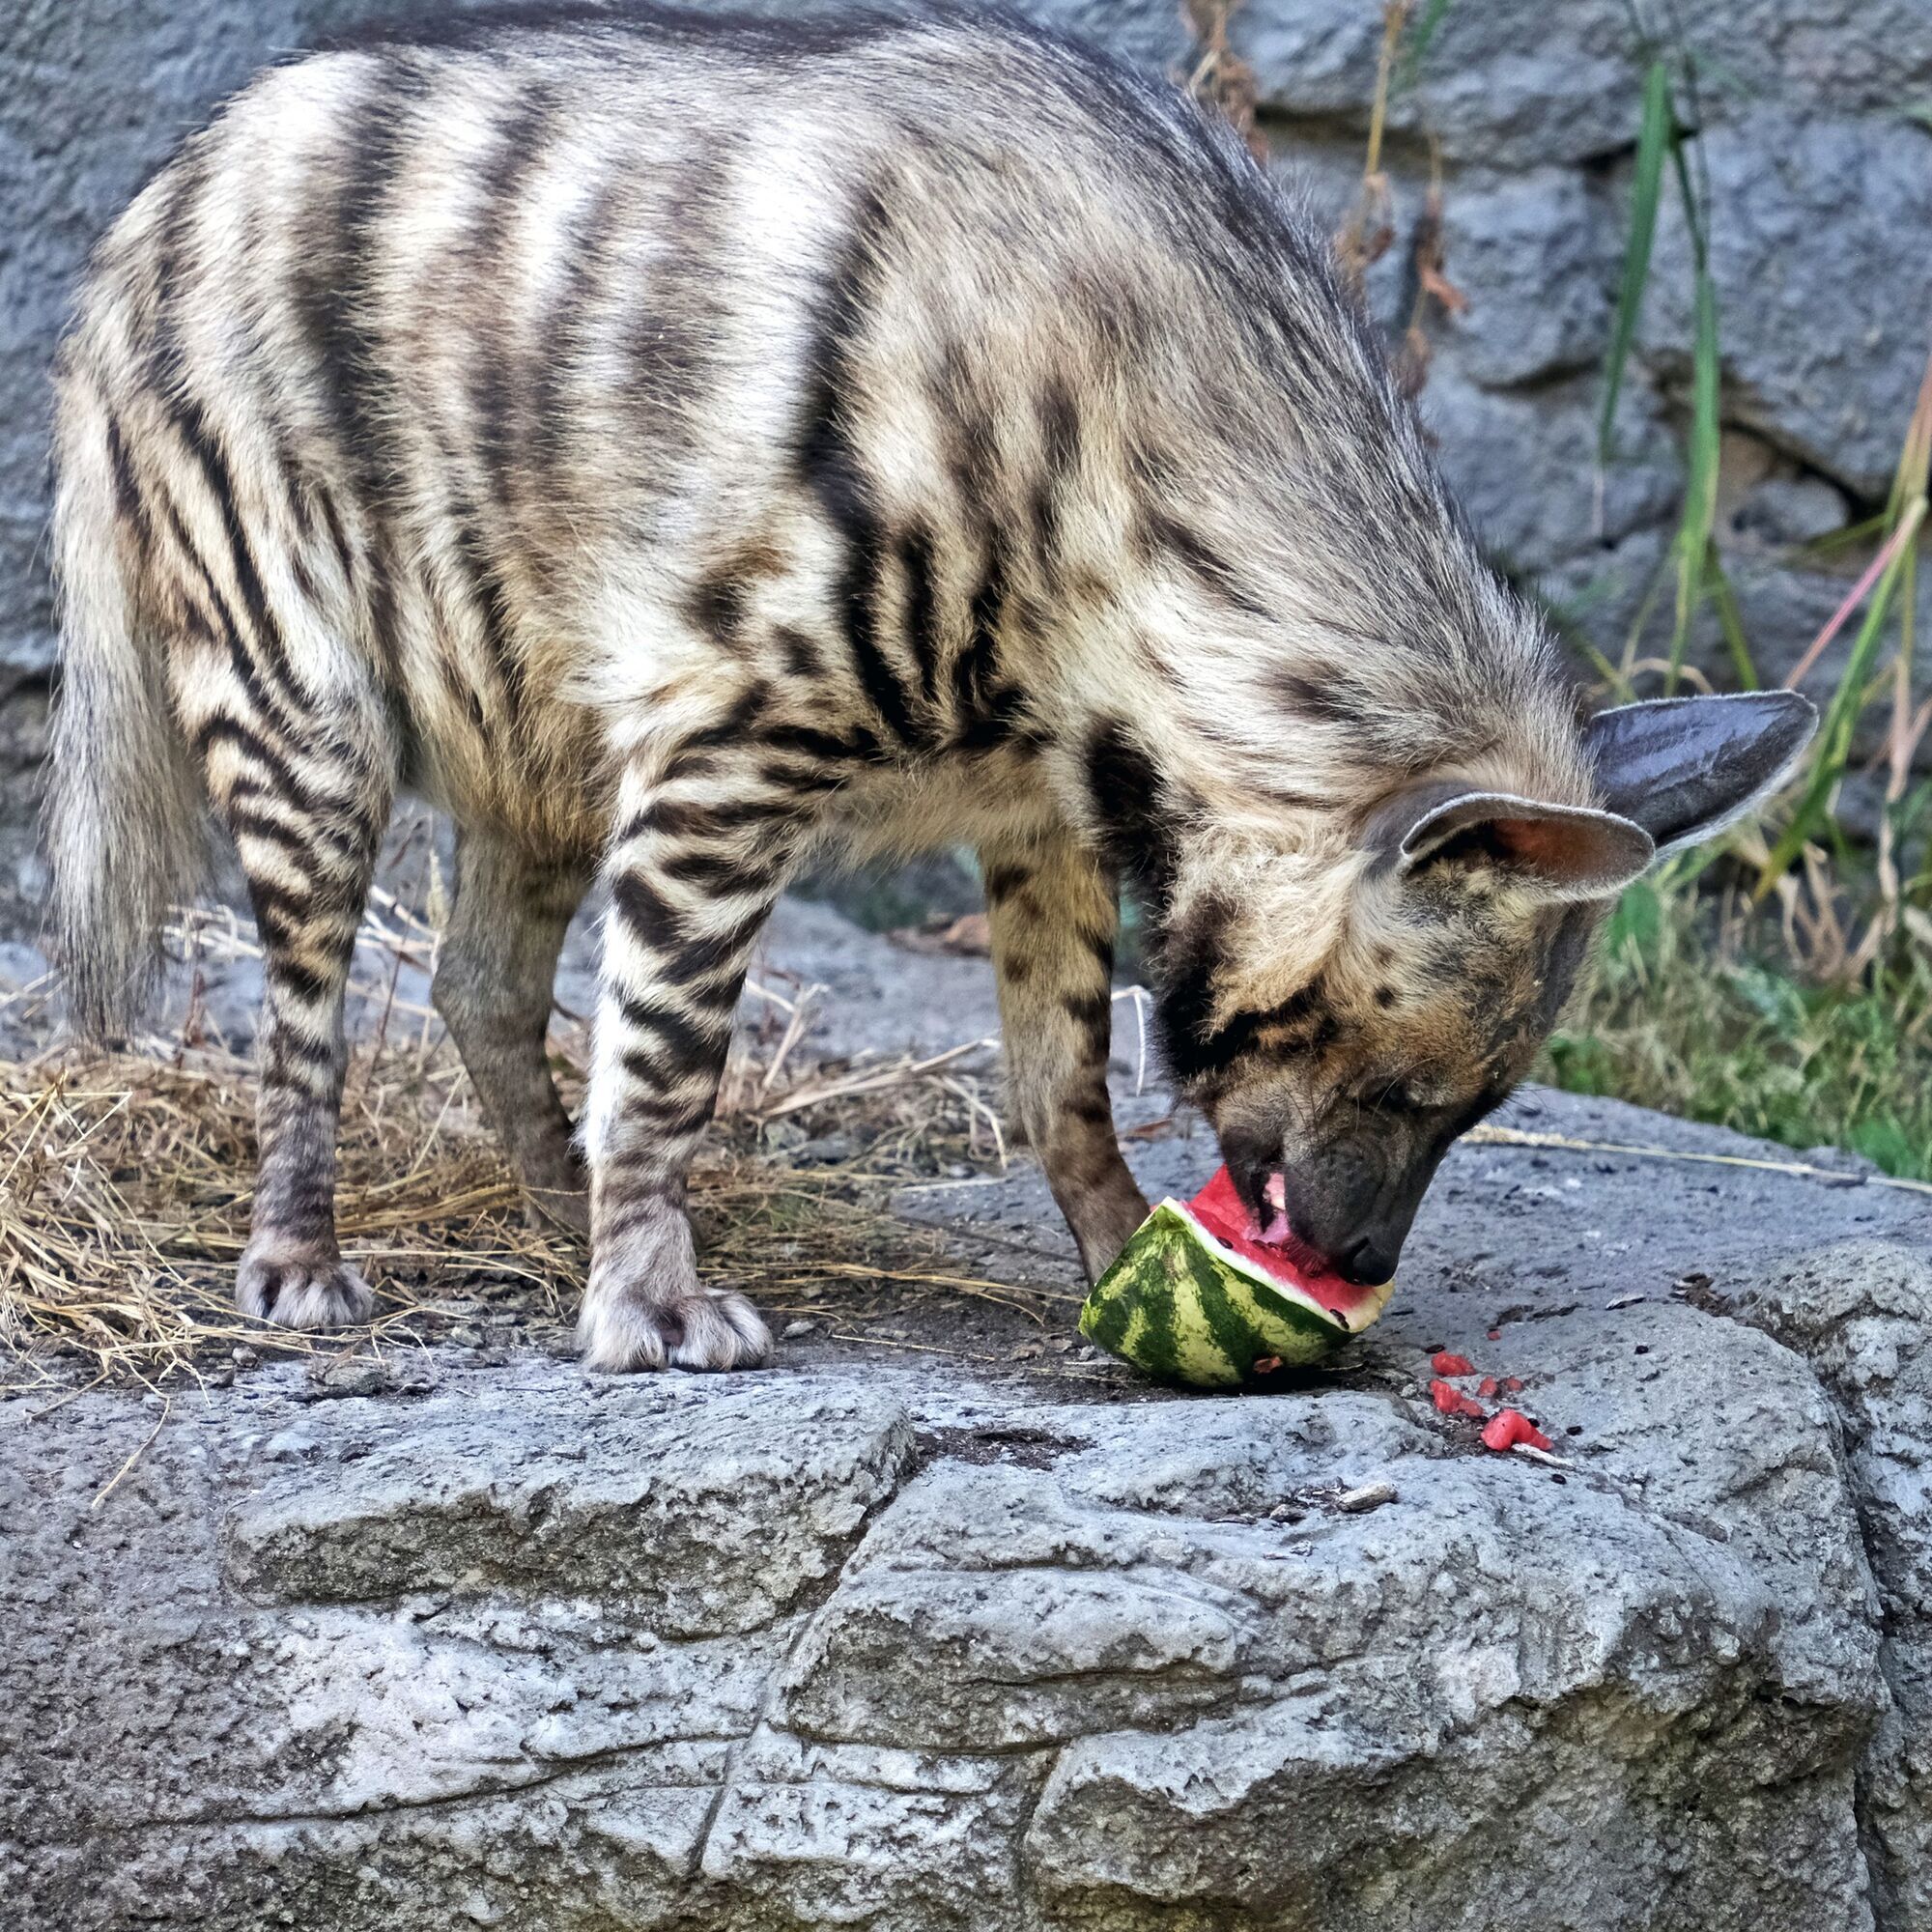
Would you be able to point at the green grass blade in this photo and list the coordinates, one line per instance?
(1653, 142)
(1731, 621)
(1832, 752)
(1618, 685)
(1700, 489)
(1416, 51)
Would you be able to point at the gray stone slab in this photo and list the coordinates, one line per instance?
(1069, 1664)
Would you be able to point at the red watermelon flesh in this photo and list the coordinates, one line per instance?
(1220, 1210)
(1509, 1426)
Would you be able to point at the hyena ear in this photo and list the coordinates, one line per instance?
(1682, 768)
(1557, 852)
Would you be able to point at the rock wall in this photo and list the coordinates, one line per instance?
(1819, 177)
(1815, 162)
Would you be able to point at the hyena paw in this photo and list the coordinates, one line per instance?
(301, 1291)
(1106, 1226)
(688, 1328)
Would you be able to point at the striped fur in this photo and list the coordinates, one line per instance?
(684, 446)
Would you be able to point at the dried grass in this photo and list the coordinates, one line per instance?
(126, 1182)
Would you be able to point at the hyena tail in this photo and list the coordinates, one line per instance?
(125, 825)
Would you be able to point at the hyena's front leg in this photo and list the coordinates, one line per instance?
(1054, 915)
(494, 984)
(691, 882)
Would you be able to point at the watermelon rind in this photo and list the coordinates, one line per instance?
(1182, 1307)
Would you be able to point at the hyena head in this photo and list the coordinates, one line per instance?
(1342, 1010)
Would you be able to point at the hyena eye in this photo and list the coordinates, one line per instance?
(1391, 1097)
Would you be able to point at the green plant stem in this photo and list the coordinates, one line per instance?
(1833, 749)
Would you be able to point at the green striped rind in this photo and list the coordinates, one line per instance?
(1184, 1309)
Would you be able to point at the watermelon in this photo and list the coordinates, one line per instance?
(1451, 1400)
(1201, 1295)
(1509, 1426)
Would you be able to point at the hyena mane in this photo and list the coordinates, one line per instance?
(674, 444)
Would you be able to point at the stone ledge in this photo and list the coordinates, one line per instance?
(1069, 1662)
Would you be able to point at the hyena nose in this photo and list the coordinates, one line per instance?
(1368, 1264)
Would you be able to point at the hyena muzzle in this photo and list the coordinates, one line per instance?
(678, 446)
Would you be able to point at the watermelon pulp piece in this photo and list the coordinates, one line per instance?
(1451, 1400)
(1509, 1426)
(1198, 1296)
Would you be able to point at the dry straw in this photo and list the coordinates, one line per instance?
(126, 1180)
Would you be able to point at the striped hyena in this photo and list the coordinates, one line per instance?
(681, 444)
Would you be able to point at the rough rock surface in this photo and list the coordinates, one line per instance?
(1858, 1314)
(1802, 131)
(1804, 204)
(839, 1641)
(901, 1641)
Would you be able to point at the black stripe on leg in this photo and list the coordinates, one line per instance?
(320, 810)
(701, 958)
(685, 818)
(298, 844)
(650, 917)
(268, 696)
(308, 986)
(319, 902)
(192, 424)
(1002, 881)
(1094, 1015)
(689, 1043)
(718, 872)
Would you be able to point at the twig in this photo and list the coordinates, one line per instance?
(1138, 994)
(845, 1086)
(1908, 529)
(1804, 1170)
(798, 1018)
(114, 1481)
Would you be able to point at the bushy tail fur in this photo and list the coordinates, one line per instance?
(124, 824)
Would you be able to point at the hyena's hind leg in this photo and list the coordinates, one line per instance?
(308, 807)
(1054, 916)
(494, 984)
